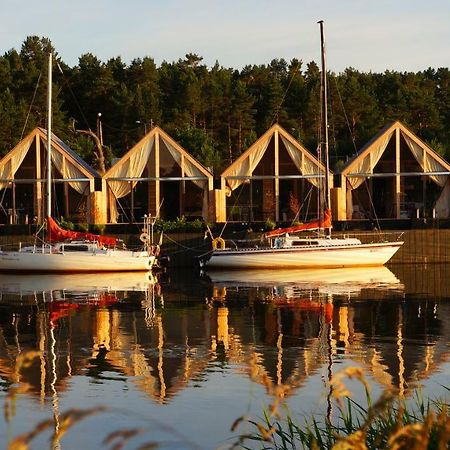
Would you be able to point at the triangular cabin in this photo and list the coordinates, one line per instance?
(22, 182)
(275, 178)
(394, 176)
(159, 177)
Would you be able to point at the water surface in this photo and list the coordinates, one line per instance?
(181, 356)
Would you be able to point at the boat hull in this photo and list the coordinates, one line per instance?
(332, 256)
(111, 261)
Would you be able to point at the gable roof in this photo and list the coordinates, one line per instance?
(306, 163)
(267, 136)
(148, 140)
(17, 154)
(387, 132)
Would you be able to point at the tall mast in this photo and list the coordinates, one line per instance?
(324, 140)
(49, 137)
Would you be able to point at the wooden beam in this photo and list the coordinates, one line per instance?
(66, 192)
(182, 187)
(158, 182)
(38, 192)
(277, 173)
(397, 174)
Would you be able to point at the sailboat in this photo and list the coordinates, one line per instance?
(285, 250)
(76, 252)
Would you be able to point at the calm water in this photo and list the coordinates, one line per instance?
(181, 357)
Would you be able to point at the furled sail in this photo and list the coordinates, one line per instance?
(324, 222)
(56, 233)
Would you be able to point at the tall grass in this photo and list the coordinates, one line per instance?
(388, 423)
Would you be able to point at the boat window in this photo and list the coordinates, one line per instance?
(76, 248)
(304, 242)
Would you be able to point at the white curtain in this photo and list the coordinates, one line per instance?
(426, 161)
(442, 205)
(190, 169)
(132, 167)
(367, 164)
(248, 165)
(9, 168)
(69, 170)
(305, 165)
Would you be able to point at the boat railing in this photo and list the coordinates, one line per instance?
(370, 237)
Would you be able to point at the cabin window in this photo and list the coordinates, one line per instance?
(302, 243)
(76, 248)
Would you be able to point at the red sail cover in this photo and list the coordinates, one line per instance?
(314, 225)
(56, 233)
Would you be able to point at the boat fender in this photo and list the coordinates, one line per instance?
(144, 237)
(218, 243)
(156, 250)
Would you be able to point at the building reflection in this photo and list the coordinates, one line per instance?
(286, 327)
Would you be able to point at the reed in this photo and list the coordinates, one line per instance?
(388, 423)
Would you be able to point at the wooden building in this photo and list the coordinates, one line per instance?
(395, 175)
(76, 185)
(159, 177)
(275, 178)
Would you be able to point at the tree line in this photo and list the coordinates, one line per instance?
(215, 112)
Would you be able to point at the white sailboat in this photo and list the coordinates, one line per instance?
(75, 252)
(283, 250)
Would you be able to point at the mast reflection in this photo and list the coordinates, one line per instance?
(164, 338)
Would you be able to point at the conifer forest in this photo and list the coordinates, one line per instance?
(215, 112)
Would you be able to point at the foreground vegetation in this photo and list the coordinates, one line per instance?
(216, 112)
(389, 423)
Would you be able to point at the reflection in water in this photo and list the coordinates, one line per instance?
(161, 338)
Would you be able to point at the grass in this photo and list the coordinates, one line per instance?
(388, 423)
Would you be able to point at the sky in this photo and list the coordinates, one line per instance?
(368, 35)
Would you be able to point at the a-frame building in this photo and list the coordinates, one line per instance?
(159, 177)
(76, 185)
(275, 178)
(395, 175)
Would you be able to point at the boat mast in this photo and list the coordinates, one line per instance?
(49, 137)
(324, 140)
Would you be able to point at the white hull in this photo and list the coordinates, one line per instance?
(119, 281)
(322, 256)
(75, 262)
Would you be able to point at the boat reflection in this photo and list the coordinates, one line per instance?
(287, 326)
(326, 279)
(76, 283)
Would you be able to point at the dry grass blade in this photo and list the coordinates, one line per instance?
(22, 441)
(356, 441)
(237, 422)
(148, 446)
(72, 417)
(122, 436)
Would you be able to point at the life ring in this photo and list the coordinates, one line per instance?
(144, 237)
(218, 243)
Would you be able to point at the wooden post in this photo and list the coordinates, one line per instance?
(91, 204)
(153, 172)
(182, 188)
(66, 192)
(13, 220)
(132, 219)
(277, 173)
(37, 208)
(211, 203)
(397, 174)
(157, 184)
